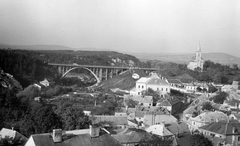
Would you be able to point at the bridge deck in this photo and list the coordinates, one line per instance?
(96, 66)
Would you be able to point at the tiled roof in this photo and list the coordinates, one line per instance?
(164, 102)
(75, 140)
(232, 102)
(157, 81)
(140, 99)
(113, 120)
(152, 119)
(142, 80)
(153, 109)
(174, 81)
(135, 136)
(12, 134)
(223, 127)
(160, 130)
(237, 115)
(176, 128)
(208, 117)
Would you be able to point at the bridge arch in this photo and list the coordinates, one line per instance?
(98, 80)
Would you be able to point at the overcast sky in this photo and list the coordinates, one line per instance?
(145, 26)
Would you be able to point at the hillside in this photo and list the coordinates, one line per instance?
(123, 81)
(221, 58)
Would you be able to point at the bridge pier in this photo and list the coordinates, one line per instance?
(106, 74)
(60, 70)
(111, 73)
(100, 74)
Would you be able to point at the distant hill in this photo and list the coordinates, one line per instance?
(221, 58)
(123, 81)
(216, 57)
(49, 47)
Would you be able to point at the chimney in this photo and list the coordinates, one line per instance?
(94, 131)
(57, 135)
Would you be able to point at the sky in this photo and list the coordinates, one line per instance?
(140, 26)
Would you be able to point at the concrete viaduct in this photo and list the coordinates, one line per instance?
(99, 72)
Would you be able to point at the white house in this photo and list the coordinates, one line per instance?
(154, 82)
(205, 119)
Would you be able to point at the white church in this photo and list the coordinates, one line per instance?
(197, 61)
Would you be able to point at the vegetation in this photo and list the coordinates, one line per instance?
(207, 106)
(199, 140)
(220, 97)
(212, 72)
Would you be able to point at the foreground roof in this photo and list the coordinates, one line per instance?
(75, 140)
(12, 134)
(140, 98)
(160, 130)
(134, 136)
(114, 120)
(208, 117)
(223, 127)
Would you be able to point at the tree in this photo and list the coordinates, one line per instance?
(220, 97)
(207, 106)
(74, 119)
(129, 102)
(199, 140)
(40, 120)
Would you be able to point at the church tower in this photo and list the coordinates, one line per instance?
(197, 61)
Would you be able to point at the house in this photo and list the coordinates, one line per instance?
(154, 82)
(177, 128)
(191, 87)
(175, 83)
(87, 113)
(159, 130)
(109, 121)
(232, 103)
(156, 119)
(13, 134)
(226, 131)
(205, 118)
(227, 88)
(235, 116)
(203, 86)
(133, 137)
(141, 85)
(165, 104)
(45, 82)
(90, 137)
(159, 85)
(153, 109)
(124, 114)
(140, 99)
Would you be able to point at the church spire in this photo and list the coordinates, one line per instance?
(199, 47)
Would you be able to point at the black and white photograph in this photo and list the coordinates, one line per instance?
(119, 73)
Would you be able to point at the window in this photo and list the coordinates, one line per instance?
(166, 89)
(142, 86)
(138, 93)
(138, 86)
(238, 138)
(157, 89)
(162, 89)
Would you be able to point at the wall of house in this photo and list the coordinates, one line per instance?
(195, 125)
(30, 142)
(140, 87)
(191, 88)
(208, 133)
